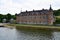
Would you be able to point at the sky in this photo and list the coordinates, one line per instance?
(16, 6)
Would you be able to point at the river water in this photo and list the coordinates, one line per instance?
(14, 34)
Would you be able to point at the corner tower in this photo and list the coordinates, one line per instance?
(50, 8)
(50, 16)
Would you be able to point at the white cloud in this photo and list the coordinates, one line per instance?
(14, 6)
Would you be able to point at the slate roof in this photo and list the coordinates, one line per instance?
(33, 12)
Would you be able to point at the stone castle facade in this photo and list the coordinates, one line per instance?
(43, 16)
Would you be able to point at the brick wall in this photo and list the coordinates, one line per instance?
(36, 18)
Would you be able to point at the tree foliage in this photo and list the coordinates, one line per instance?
(7, 17)
(57, 12)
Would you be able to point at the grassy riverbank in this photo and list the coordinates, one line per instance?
(34, 27)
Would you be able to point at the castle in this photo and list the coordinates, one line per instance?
(43, 16)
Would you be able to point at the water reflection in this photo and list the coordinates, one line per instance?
(34, 35)
(7, 34)
(13, 34)
(56, 35)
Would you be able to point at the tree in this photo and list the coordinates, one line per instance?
(57, 12)
(1, 17)
(8, 17)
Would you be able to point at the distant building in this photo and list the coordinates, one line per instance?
(43, 16)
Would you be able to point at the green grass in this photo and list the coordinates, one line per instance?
(58, 16)
(57, 20)
(34, 27)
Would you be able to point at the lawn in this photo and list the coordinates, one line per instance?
(58, 16)
(34, 27)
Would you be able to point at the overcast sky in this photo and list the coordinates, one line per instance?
(15, 6)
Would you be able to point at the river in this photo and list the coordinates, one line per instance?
(14, 34)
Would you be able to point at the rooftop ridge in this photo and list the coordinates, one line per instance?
(35, 11)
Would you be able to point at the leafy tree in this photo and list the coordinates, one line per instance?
(8, 17)
(1, 17)
(57, 12)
